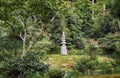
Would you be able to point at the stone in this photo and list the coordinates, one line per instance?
(63, 47)
(70, 58)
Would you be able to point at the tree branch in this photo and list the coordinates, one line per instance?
(19, 18)
(21, 36)
(11, 25)
(40, 34)
(53, 17)
(34, 40)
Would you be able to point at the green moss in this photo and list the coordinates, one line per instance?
(68, 61)
(62, 61)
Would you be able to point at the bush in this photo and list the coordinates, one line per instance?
(31, 63)
(107, 67)
(116, 54)
(72, 74)
(56, 73)
(72, 51)
(55, 49)
(80, 52)
(109, 43)
(86, 65)
(117, 69)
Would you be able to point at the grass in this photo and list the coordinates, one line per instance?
(62, 61)
(103, 76)
(67, 61)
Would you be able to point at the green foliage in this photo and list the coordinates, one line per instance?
(56, 73)
(72, 51)
(75, 17)
(26, 8)
(116, 54)
(104, 25)
(83, 8)
(91, 50)
(32, 62)
(43, 44)
(56, 32)
(115, 10)
(47, 9)
(72, 74)
(55, 50)
(86, 64)
(10, 45)
(28, 20)
(108, 43)
(107, 67)
(117, 69)
(74, 38)
(80, 52)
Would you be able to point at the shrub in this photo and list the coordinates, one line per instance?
(30, 63)
(72, 51)
(55, 49)
(116, 54)
(86, 65)
(80, 52)
(107, 67)
(72, 74)
(56, 73)
(117, 69)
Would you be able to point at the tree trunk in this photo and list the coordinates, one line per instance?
(24, 49)
(24, 37)
(104, 8)
(93, 10)
(119, 23)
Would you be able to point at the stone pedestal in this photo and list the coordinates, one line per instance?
(63, 47)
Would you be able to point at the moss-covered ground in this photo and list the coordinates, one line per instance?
(103, 76)
(67, 61)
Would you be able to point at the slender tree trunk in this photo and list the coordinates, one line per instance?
(23, 53)
(24, 42)
(104, 8)
(119, 23)
(93, 10)
(24, 45)
(24, 36)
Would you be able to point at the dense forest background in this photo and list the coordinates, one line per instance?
(30, 30)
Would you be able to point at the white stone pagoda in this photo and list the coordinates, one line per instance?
(63, 47)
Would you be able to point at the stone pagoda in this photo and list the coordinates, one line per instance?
(63, 47)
